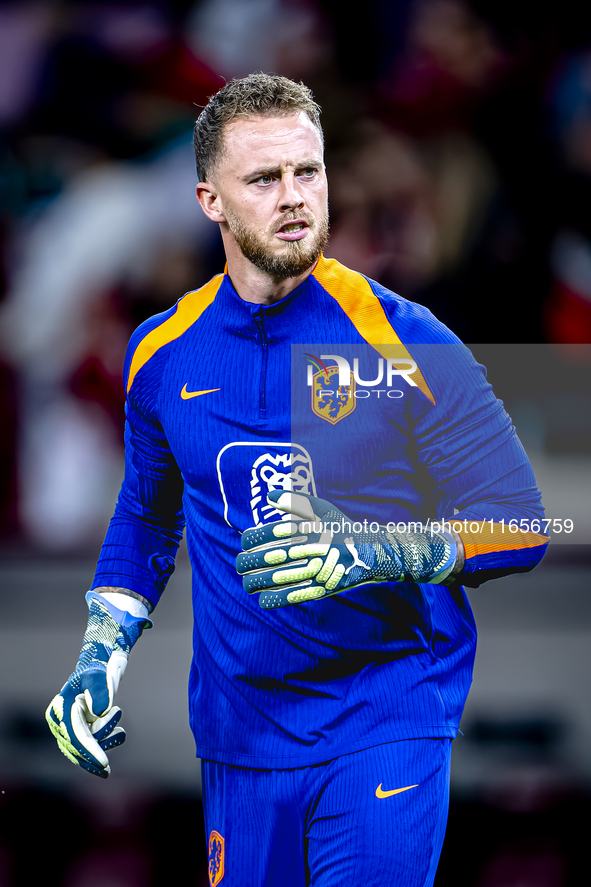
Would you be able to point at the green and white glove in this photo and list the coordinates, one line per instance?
(317, 554)
(82, 716)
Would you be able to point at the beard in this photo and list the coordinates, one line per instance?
(299, 255)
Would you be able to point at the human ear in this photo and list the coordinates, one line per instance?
(210, 203)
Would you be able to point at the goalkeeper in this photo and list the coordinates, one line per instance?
(330, 667)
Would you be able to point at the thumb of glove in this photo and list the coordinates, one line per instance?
(298, 504)
(99, 683)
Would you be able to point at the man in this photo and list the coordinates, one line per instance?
(324, 716)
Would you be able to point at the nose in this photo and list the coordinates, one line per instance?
(290, 197)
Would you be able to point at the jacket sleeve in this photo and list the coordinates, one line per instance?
(486, 487)
(145, 531)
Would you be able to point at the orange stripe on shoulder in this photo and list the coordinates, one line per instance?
(189, 309)
(366, 312)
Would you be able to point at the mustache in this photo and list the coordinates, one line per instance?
(293, 217)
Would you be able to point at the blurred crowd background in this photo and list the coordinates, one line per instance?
(458, 142)
(458, 137)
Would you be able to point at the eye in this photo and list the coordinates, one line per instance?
(265, 180)
(308, 172)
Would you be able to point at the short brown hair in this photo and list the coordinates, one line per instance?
(264, 94)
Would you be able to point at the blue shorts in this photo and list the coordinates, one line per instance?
(375, 817)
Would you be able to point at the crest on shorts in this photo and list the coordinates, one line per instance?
(215, 858)
(330, 400)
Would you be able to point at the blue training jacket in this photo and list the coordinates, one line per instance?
(346, 391)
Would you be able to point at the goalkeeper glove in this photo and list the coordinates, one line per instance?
(82, 716)
(292, 561)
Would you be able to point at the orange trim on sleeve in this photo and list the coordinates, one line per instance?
(189, 309)
(365, 311)
(500, 538)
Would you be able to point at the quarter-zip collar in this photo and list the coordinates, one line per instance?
(239, 315)
(270, 329)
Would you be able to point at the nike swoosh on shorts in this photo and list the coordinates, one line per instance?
(395, 791)
(188, 394)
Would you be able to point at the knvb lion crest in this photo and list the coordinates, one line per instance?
(278, 471)
(215, 858)
(331, 401)
(249, 470)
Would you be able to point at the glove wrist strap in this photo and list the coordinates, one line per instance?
(122, 617)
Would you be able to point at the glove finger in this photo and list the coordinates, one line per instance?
(66, 749)
(102, 772)
(117, 737)
(270, 579)
(285, 597)
(271, 557)
(275, 532)
(80, 735)
(59, 731)
(301, 505)
(93, 683)
(58, 716)
(104, 726)
(108, 736)
(330, 524)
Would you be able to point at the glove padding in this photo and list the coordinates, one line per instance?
(82, 716)
(292, 561)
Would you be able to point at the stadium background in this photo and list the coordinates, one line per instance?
(458, 140)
